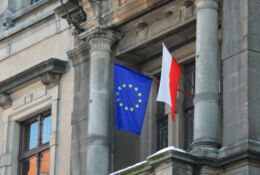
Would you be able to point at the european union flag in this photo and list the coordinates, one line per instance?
(131, 92)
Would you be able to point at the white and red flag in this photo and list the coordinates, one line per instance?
(170, 75)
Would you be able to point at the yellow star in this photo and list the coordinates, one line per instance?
(124, 85)
(130, 85)
(132, 109)
(137, 105)
(140, 100)
(126, 108)
(139, 94)
(119, 88)
(136, 89)
(117, 93)
(117, 99)
(121, 104)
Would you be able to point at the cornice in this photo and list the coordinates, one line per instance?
(51, 66)
(124, 13)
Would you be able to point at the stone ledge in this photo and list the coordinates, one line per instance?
(248, 149)
(176, 158)
(26, 24)
(28, 9)
(134, 169)
(52, 66)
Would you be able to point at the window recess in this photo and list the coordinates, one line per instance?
(34, 157)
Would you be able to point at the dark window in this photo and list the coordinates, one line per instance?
(189, 86)
(162, 126)
(188, 107)
(34, 147)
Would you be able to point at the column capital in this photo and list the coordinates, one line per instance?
(207, 4)
(79, 54)
(102, 39)
(5, 100)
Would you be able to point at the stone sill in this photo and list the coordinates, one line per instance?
(27, 23)
(166, 155)
(24, 25)
(28, 9)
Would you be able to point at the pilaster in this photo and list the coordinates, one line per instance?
(79, 54)
(79, 119)
(240, 56)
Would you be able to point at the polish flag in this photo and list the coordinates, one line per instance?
(170, 75)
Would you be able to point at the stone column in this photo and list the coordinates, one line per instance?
(206, 101)
(99, 101)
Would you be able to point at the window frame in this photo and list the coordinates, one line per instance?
(41, 148)
(161, 119)
(188, 106)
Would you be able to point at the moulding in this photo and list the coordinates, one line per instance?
(51, 66)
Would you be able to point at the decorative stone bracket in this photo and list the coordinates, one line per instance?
(5, 101)
(49, 72)
(50, 79)
(73, 13)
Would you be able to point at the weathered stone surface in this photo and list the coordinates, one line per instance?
(168, 162)
(206, 101)
(79, 119)
(240, 86)
(100, 42)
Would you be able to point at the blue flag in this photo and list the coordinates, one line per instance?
(131, 92)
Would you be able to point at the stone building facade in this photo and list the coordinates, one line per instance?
(56, 79)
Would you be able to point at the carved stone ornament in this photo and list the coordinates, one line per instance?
(102, 38)
(73, 12)
(50, 79)
(5, 101)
